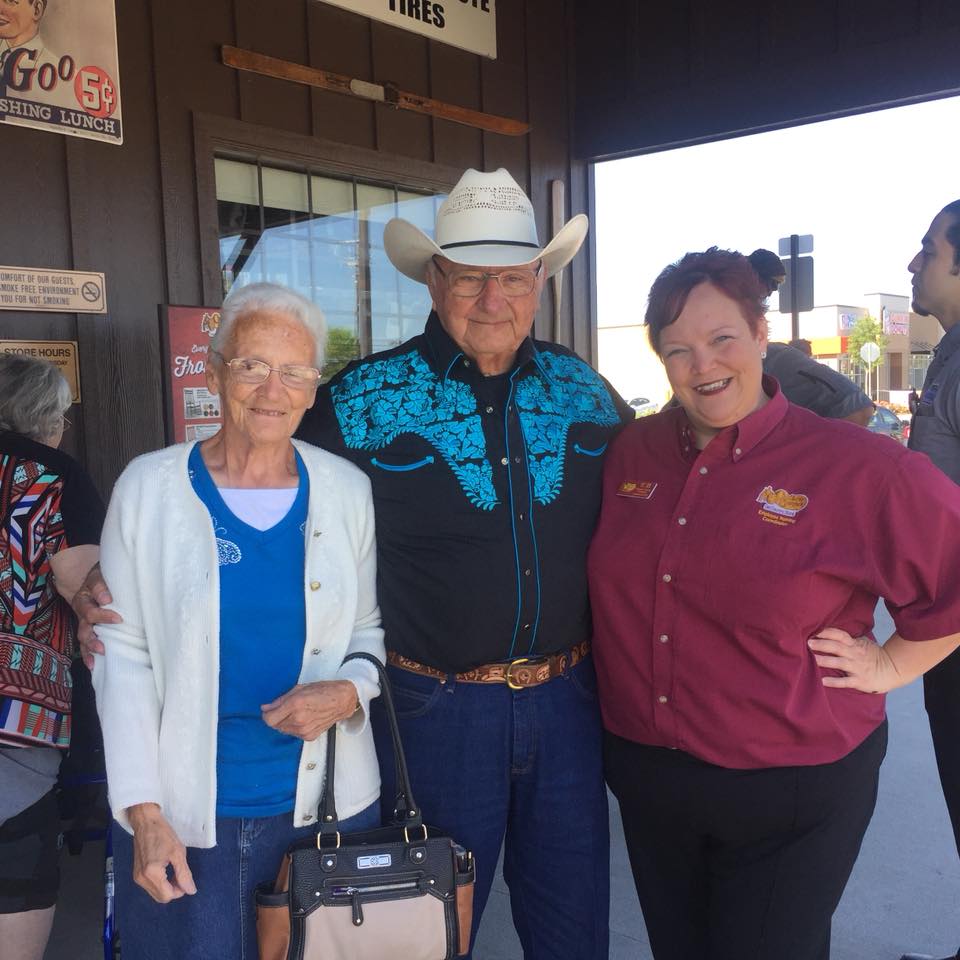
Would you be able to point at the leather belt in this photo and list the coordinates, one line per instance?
(516, 674)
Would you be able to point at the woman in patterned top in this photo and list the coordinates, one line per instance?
(244, 568)
(50, 518)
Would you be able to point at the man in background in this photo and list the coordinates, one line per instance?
(935, 431)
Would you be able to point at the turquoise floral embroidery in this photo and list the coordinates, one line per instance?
(379, 401)
(547, 406)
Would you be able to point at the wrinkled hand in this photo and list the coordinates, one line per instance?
(88, 605)
(310, 709)
(155, 847)
(865, 664)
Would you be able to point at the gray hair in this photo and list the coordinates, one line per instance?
(270, 298)
(34, 396)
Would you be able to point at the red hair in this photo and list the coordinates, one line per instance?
(730, 272)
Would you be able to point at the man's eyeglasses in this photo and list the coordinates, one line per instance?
(248, 370)
(469, 283)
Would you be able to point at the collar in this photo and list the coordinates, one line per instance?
(444, 355)
(949, 342)
(34, 43)
(737, 440)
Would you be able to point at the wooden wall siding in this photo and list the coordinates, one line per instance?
(145, 213)
(278, 29)
(116, 226)
(697, 70)
(340, 42)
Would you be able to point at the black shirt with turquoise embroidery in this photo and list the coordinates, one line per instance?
(486, 490)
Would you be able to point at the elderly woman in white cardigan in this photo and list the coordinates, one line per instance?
(243, 568)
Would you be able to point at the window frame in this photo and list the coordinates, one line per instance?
(220, 137)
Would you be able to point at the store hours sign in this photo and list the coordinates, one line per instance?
(468, 24)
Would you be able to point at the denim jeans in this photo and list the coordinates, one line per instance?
(489, 764)
(219, 921)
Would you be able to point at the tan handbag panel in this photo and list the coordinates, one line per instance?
(273, 931)
(464, 917)
(414, 929)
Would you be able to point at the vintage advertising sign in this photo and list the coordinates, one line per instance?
(62, 353)
(193, 412)
(59, 67)
(468, 24)
(47, 289)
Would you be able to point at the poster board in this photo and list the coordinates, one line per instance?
(191, 411)
(60, 72)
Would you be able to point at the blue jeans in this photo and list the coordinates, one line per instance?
(219, 921)
(489, 764)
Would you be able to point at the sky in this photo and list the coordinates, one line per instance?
(866, 187)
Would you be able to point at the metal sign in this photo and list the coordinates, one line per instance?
(804, 240)
(61, 353)
(468, 24)
(804, 284)
(870, 352)
(52, 291)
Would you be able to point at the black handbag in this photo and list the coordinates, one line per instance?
(401, 890)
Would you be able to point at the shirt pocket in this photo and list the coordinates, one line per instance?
(401, 465)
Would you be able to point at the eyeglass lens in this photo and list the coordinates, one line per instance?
(247, 370)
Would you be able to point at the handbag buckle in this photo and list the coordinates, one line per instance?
(514, 663)
(406, 834)
(320, 837)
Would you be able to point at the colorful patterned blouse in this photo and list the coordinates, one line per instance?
(47, 504)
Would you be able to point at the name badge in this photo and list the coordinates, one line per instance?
(636, 489)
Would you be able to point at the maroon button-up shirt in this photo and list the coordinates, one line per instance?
(710, 569)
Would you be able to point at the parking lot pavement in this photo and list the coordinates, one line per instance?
(904, 893)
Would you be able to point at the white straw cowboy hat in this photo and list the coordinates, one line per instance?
(486, 221)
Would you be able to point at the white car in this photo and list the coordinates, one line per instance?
(642, 407)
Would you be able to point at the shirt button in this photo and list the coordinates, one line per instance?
(466, 363)
(314, 584)
(521, 516)
(526, 626)
(663, 638)
(516, 459)
(667, 578)
(661, 699)
(316, 533)
(703, 470)
(489, 409)
(526, 573)
(682, 521)
(307, 817)
(311, 766)
(315, 651)
(738, 451)
(504, 461)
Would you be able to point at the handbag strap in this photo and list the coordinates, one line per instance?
(405, 812)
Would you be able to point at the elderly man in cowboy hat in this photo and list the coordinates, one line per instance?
(484, 448)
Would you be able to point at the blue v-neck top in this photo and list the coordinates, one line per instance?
(262, 631)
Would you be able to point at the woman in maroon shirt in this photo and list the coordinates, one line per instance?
(742, 546)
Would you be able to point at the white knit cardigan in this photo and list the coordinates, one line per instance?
(157, 684)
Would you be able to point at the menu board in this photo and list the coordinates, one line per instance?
(192, 411)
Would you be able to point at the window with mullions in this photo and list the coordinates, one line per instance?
(323, 237)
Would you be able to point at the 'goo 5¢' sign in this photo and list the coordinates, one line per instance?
(58, 67)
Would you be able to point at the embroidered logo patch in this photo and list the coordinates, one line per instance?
(637, 489)
(780, 507)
